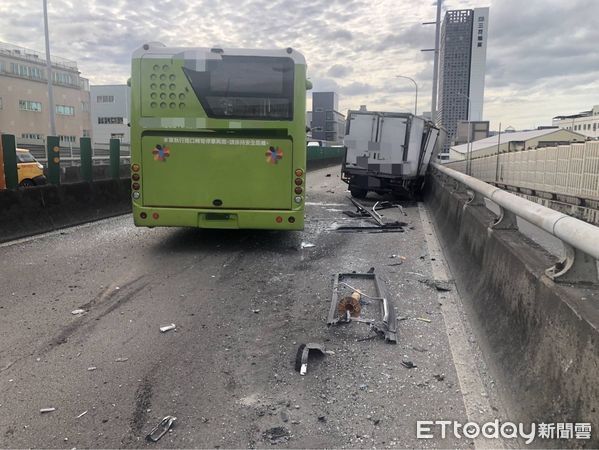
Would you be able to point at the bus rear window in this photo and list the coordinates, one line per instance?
(242, 87)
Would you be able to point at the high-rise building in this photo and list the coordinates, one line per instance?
(24, 104)
(463, 54)
(327, 124)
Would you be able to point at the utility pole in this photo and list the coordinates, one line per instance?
(49, 72)
(437, 24)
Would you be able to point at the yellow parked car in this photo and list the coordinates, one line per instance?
(31, 172)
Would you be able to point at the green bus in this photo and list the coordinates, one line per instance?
(218, 137)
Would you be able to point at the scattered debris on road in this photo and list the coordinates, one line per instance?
(256, 311)
(306, 245)
(82, 414)
(77, 312)
(166, 328)
(349, 308)
(303, 353)
(276, 435)
(161, 429)
(422, 319)
(90, 368)
(439, 285)
(439, 376)
(408, 364)
(121, 359)
(47, 410)
(328, 175)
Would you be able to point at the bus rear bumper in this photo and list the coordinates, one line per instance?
(218, 218)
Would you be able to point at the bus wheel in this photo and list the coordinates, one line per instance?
(357, 192)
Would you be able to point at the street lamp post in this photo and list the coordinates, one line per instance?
(416, 97)
(49, 72)
(469, 144)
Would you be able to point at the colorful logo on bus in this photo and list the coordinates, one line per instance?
(161, 153)
(273, 154)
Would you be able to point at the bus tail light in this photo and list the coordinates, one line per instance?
(298, 199)
(279, 219)
(143, 215)
(135, 177)
(135, 186)
(136, 195)
(298, 181)
(298, 190)
(291, 219)
(299, 172)
(155, 216)
(135, 167)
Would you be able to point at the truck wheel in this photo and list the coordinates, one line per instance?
(27, 183)
(358, 193)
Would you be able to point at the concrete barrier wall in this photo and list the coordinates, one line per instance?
(29, 211)
(541, 339)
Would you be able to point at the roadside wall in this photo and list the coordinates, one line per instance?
(540, 338)
(39, 209)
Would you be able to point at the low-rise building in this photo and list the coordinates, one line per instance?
(514, 142)
(24, 104)
(585, 122)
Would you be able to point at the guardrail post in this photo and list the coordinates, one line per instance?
(85, 145)
(577, 267)
(9, 148)
(53, 153)
(476, 200)
(507, 220)
(115, 158)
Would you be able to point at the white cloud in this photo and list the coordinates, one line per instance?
(543, 57)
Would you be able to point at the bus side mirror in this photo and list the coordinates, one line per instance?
(308, 85)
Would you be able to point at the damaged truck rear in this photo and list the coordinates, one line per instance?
(388, 152)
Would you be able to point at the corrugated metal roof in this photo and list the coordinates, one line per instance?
(510, 137)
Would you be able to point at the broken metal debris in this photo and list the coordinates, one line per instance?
(82, 414)
(166, 328)
(362, 211)
(161, 429)
(422, 319)
(91, 368)
(303, 353)
(77, 312)
(121, 359)
(47, 410)
(344, 311)
(306, 245)
(276, 435)
(408, 364)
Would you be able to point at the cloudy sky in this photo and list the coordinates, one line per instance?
(542, 55)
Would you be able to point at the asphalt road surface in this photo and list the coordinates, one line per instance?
(242, 303)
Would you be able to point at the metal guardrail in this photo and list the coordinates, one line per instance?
(580, 239)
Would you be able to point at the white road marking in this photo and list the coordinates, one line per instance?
(473, 391)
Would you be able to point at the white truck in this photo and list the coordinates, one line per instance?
(387, 152)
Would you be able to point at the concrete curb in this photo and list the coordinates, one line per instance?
(35, 210)
(541, 339)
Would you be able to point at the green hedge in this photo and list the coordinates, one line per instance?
(318, 153)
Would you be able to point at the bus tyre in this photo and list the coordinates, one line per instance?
(357, 192)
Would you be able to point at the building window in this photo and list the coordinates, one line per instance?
(69, 139)
(65, 110)
(119, 136)
(105, 99)
(35, 136)
(85, 106)
(318, 110)
(479, 44)
(110, 120)
(86, 133)
(62, 78)
(329, 115)
(28, 105)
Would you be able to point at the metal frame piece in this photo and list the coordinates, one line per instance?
(303, 353)
(387, 326)
(581, 239)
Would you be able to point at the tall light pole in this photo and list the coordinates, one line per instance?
(416, 86)
(468, 146)
(49, 72)
(437, 24)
